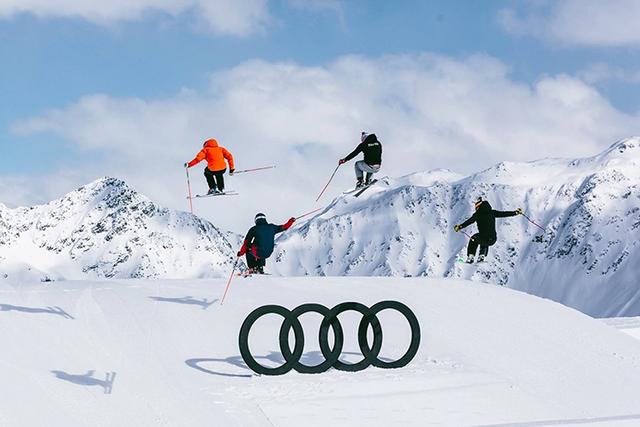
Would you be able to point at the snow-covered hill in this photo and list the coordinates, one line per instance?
(588, 258)
(107, 229)
(165, 353)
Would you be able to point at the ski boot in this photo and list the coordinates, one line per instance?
(470, 258)
(212, 191)
(481, 258)
(260, 270)
(359, 183)
(367, 179)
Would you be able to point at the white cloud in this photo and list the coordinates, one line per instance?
(578, 22)
(430, 111)
(233, 17)
(601, 72)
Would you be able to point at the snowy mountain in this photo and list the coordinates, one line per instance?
(107, 230)
(588, 257)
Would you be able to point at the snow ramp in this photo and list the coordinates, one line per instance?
(165, 353)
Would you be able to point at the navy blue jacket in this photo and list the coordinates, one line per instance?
(260, 238)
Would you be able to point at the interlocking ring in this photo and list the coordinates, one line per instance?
(330, 321)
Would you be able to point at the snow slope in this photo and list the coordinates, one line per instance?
(588, 257)
(628, 325)
(489, 356)
(106, 229)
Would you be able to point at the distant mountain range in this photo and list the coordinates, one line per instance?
(588, 257)
(106, 229)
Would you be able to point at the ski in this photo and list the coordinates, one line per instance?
(252, 274)
(365, 187)
(226, 193)
(351, 191)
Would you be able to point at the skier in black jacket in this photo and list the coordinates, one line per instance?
(372, 149)
(259, 242)
(485, 218)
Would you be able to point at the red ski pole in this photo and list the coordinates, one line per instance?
(309, 213)
(534, 223)
(330, 179)
(235, 264)
(189, 188)
(254, 169)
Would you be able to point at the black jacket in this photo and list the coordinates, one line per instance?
(485, 217)
(372, 149)
(262, 236)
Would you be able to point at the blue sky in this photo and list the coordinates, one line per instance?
(53, 58)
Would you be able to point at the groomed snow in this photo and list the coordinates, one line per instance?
(489, 356)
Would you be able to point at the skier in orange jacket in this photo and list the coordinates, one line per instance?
(216, 166)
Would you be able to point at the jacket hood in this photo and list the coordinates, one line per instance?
(484, 207)
(210, 143)
(371, 138)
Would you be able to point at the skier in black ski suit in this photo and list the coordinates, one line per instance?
(259, 242)
(372, 149)
(485, 217)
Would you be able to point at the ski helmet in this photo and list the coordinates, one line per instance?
(477, 203)
(260, 216)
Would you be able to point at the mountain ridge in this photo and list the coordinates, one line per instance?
(106, 229)
(589, 208)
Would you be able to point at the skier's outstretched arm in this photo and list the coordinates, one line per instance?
(286, 225)
(468, 222)
(503, 214)
(199, 157)
(227, 155)
(354, 153)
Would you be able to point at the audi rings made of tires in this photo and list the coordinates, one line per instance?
(330, 321)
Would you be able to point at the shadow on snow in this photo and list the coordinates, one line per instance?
(311, 358)
(88, 379)
(49, 310)
(189, 300)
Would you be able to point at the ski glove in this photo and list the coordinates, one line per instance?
(231, 171)
(341, 161)
(186, 165)
(519, 211)
(239, 254)
(457, 228)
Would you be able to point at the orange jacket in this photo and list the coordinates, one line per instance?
(214, 155)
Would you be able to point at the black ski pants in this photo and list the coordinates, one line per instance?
(253, 261)
(484, 243)
(215, 179)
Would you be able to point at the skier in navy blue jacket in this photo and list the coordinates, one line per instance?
(259, 242)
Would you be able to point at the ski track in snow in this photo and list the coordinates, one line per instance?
(164, 353)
